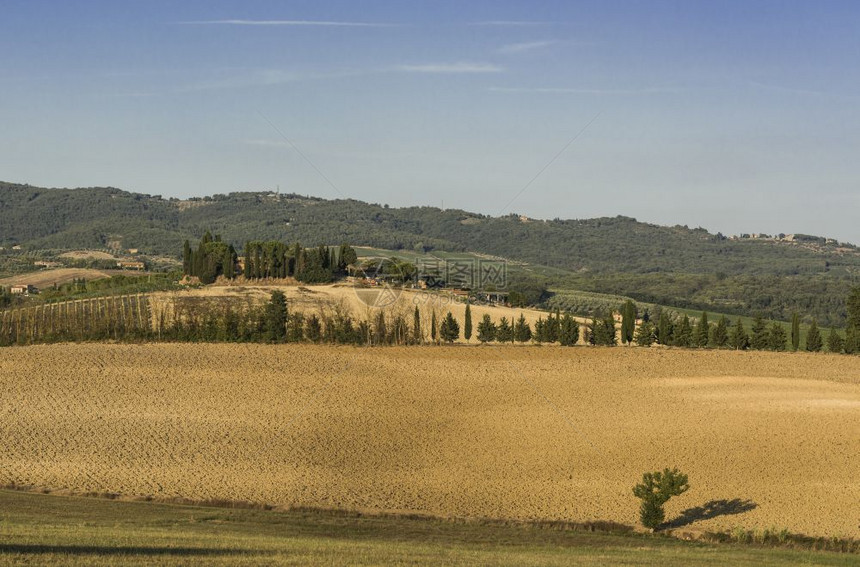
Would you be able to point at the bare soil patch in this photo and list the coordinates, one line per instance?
(529, 433)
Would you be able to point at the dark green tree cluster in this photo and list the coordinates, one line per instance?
(722, 334)
(273, 259)
(211, 259)
(266, 259)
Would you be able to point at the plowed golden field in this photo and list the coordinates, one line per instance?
(506, 432)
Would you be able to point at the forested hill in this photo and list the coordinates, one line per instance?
(94, 217)
(668, 265)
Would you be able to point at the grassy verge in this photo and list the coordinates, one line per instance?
(62, 530)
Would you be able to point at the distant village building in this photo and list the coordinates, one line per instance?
(23, 289)
(133, 251)
(124, 265)
(16, 247)
(494, 297)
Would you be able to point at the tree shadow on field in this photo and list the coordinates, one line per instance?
(710, 510)
(127, 551)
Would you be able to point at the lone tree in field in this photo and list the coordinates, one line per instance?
(655, 490)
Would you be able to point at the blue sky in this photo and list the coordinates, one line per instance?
(734, 116)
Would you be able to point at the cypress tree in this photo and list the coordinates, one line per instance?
(645, 334)
(813, 338)
(703, 331)
(449, 330)
(417, 335)
(553, 326)
(276, 318)
(522, 330)
(504, 331)
(248, 261)
(568, 331)
(433, 326)
(609, 330)
(776, 337)
(313, 329)
(664, 329)
(760, 337)
(540, 331)
(852, 305)
(834, 341)
(229, 263)
(720, 333)
(602, 330)
(467, 324)
(795, 331)
(486, 330)
(296, 328)
(851, 345)
(186, 258)
(684, 334)
(738, 338)
(628, 321)
(380, 333)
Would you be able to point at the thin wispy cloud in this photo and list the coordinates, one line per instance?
(459, 67)
(266, 143)
(586, 91)
(526, 46)
(319, 23)
(790, 90)
(509, 23)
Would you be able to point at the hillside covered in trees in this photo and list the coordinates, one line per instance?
(668, 265)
